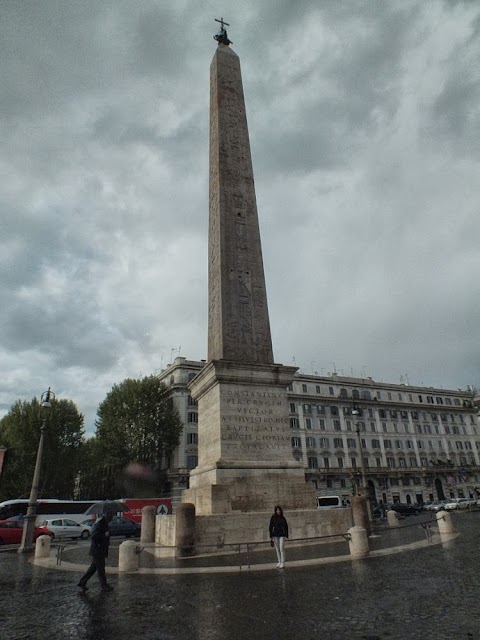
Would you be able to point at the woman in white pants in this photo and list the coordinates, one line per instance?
(278, 533)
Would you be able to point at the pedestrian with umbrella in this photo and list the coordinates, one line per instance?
(100, 542)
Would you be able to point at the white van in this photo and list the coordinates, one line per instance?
(329, 502)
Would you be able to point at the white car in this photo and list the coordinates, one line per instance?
(459, 503)
(65, 528)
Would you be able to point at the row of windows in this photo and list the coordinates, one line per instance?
(383, 414)
(402, 463)
(365, 394)
(425, 429)
(339, 443)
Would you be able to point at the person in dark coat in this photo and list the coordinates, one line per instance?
(99, 551)
(278, 534)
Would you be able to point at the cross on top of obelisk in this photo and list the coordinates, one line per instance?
(221, 37)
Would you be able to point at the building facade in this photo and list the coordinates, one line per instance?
(417, 443)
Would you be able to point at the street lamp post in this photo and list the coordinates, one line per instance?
(29, 524)
(356, 414)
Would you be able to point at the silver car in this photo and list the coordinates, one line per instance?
(65, 528)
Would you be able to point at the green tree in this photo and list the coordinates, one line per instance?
(137, 423)
(64, 439)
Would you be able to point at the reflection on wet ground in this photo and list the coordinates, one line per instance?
(430, 593)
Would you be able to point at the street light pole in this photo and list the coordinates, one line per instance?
(356, 414)
(29, 524)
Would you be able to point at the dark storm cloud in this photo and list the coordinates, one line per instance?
(364, 124)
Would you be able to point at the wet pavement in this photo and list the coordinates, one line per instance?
(429, 593)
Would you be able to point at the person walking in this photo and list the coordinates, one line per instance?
(278, 530)
(98, 551)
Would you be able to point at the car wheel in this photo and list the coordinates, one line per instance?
(85, 535)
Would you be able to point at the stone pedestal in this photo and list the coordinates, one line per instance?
(128, 553)
(392, 519)
(360, 513)
(147, 533)
(42, 547)
(358, 542)
(245, 455)
(445, 523)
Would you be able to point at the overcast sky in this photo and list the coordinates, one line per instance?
(364, 120)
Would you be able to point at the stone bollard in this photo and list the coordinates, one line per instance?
(128, 553)
(185, 529)
(392, 519)
(358, 542)
(360, 513)
(148, 524)
(42, 547)
(445, 523)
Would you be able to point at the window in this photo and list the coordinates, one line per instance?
(336, 425)
(447, 429)
(382, 413)
(400, 397)
(293, 407)
(420, 444)
(308, 423)
(456, 402)
(375, 444)
(378, 462)
(307, 409)
(413, 462)
(310, 442)
(405, 481)
(340, 463)
(373, 427)
(379, 395)
(459, 444)
(353, 462)
(324, 443)
(391, 463)
(355, 394)
(343, 483)
(192, 438)
(398, 444)
(439, 400)
(448, 401)
(192, 462)
(321, 424)
(290, 387)
(402, 463)
(389, 395)
(191, 376)
(334, 411)
(343, 393)
(338, 443)
(329, 483)
(191, 402)
(326, 463)
(366, 395)
(348, 424)
(320, 410)
(193, 417)
(351, 443)
(304, 388)
(296, 442)
(406, 427)
(414, 415)
(409, 444)
(393, 414)
(420, 399)
(424, 462)
(384, 427)
(387, 444)
(430, 399)
(404, 415)
(317, 388)
(312, 463)
(294, 423)
(331, 391)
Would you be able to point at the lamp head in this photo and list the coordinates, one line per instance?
(46, 397)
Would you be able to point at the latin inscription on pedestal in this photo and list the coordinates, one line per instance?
(254, 424)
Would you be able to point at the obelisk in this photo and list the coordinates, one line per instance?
(245, 454)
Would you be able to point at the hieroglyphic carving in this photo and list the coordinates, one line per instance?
(239, 327)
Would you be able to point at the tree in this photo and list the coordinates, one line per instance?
(137, 423)
(64, 439)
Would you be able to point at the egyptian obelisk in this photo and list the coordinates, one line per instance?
(245, 455)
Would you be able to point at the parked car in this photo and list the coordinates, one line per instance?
(64, 528)
(459, 503)
(124, 527)
(406, 509)
(11, 532)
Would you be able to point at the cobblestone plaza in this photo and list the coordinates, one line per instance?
(429, 593)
